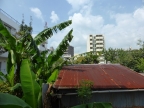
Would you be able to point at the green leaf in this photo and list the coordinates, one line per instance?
(16, 86)
(9, 63)
(10, 101)
(13, 59)
(40, 99)
(54, 56)
(47, 33)
(10, 76)
(8, 40)
(2, 76)
(30, 87)
(53, 76)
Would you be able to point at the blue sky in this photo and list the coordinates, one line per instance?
(120, 21)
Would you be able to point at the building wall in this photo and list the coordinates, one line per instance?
(95, 43)
(13, 26)
(3, 62)
(69, 52)
(118, 100)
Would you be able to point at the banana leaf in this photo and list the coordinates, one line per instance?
(8, 40)
(53, 76)
(54, 56)
(10, 76)
(47, 33)
(9, 62)
(10, 101)
(30, 87)
(2, 76)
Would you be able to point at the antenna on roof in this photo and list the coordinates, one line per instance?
(30, 21)
(22, 19)
(45, 27)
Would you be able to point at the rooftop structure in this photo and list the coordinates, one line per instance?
(104, 76)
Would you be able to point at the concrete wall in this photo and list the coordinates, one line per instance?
(3, 62)
(118, 100)
(9, 20)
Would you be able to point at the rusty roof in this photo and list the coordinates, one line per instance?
(103, 76)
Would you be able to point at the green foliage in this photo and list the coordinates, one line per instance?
(54, 56)
(47, 33)
(140, 64)
(129, 58)
(53, 77)
(10, 101)
(84, 90)
(94, 105)
(24, 55)
(7, 41)
(4, 87)
(86, 58)
(30, 87)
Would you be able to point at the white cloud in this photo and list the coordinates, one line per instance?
(124, 33)
(54, 17)
(78, 4)
(37, 13)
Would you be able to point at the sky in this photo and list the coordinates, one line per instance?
(121, 22)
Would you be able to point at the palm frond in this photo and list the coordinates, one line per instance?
(54, 56)
(6, 38)
(47, 33)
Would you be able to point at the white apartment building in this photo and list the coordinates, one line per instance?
(13, 26)
(96, 43)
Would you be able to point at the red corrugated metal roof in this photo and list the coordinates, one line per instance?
(103, 76)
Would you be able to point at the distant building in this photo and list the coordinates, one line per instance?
(95, 43)
(13, 26)
(10, 23)
(69, 52)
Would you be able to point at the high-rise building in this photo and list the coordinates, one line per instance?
(95, 43)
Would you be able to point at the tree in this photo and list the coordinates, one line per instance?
(86, 58)
(33, 65)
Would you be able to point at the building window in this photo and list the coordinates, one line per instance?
(90, 47)
(90, 39)
(90, 43)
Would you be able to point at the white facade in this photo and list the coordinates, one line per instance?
(13, 26)
(96, 43)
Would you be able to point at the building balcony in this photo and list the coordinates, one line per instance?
(99, 49)
(99, 37)
(66, 55)
(99, 41)
(99, 46)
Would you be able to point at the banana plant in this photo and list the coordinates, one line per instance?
(25, 46)
(30, 87)
(53, 58)
(10, 101)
